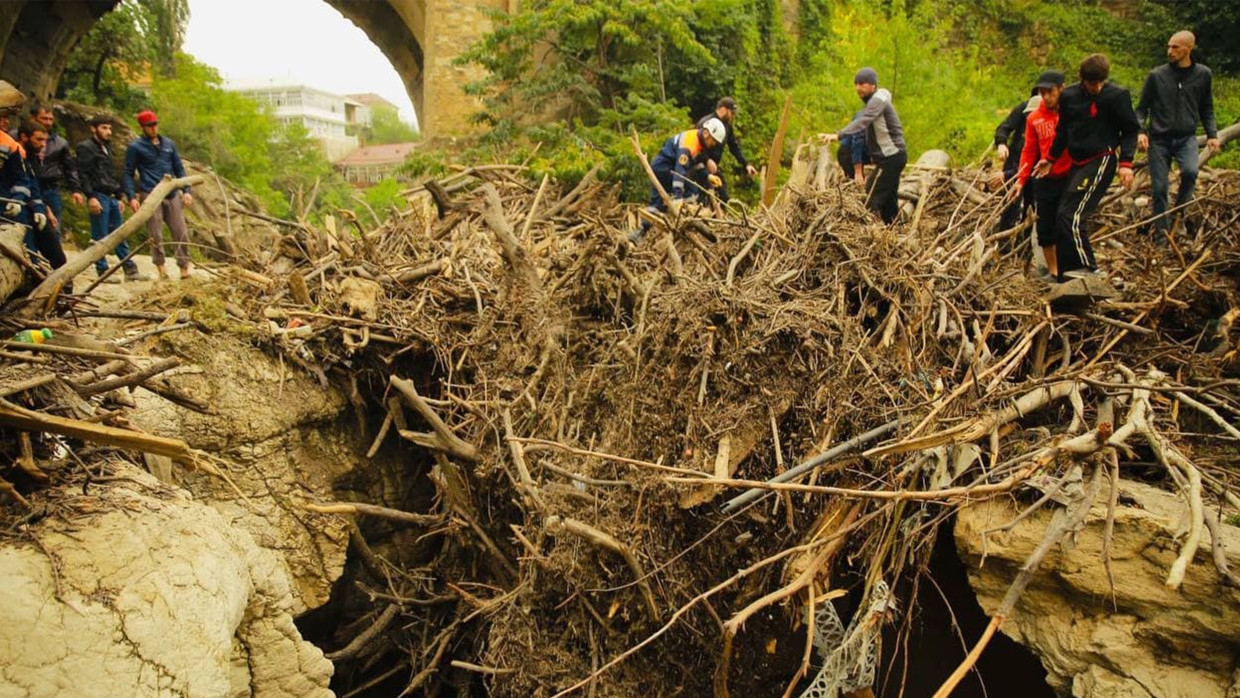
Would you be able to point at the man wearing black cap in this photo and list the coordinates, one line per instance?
(1098, 130)
(726, 111)
(97, 173)
(884, 137)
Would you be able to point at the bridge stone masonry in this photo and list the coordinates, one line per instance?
(421, 38)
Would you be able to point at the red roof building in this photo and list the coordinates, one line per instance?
(373, 163)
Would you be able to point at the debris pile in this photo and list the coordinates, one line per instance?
(648, 460)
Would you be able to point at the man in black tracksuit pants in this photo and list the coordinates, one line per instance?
(1095, 119)
(1175, 97)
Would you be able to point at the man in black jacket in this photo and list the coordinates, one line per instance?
(97, 172)
(1098, 129)
(56, 168)
(1012, 131)
(1176, 96)
(46, 239)
(725, 110)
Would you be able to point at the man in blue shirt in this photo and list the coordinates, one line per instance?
(152, 156)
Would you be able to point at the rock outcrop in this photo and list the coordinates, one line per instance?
(136, 590)
(278, 434)
(1143, 640)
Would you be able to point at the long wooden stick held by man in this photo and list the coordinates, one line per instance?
(43, 296)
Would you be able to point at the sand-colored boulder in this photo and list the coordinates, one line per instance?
(1145, 640)
(136, 590)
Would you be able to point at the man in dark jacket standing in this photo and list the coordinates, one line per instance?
(97, 173)
(56, 169)
(46, 239)
(1177, 95)
(1012, 131)
(725, 110)
(1098, 130)
(152, 156)
(884, 138)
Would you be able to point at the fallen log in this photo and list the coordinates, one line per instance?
(45, 293)
(12, 272)
(19, 418)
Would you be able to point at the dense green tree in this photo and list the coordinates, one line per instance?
(242, 141)
(386, 126)
(107, 60)
(164, 24)
(135, 39)
(575, 76)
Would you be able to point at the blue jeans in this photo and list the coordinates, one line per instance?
(1182, 149)
(109, 219)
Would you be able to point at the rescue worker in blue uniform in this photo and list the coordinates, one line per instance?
(673, 164)
(20, 199)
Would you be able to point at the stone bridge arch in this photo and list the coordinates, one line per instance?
(420, 38)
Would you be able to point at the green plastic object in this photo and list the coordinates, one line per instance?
(33, 336)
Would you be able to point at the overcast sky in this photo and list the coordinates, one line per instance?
(305, 41)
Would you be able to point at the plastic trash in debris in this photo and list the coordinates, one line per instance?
(33, 336)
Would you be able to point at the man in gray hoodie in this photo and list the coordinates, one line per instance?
(884, 137)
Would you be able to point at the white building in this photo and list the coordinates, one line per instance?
(326, 116)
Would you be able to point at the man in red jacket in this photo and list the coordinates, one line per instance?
(1047, 189)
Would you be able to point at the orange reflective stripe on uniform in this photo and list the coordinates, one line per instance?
(692, 142)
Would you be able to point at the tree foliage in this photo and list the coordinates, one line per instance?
(138, 38)
(566, 80)
(386, 126)
(576, 76)
(242, 141)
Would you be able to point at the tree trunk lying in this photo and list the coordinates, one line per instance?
(11, 273)
(56, 280)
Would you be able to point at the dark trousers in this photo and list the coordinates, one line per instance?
(1182, 150)
(844, 157)
(1084, 188)
(46, 242)
(665, 180)
(883, 187)
(1047, 193)
(109, 219)
(1015, 212)
(53, 248)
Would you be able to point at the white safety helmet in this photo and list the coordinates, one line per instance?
(716, 129)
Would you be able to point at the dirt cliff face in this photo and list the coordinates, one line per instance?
(278, 434)
(136, 589)
(1136, 639)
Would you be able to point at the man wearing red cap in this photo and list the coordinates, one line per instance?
(153, 156)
